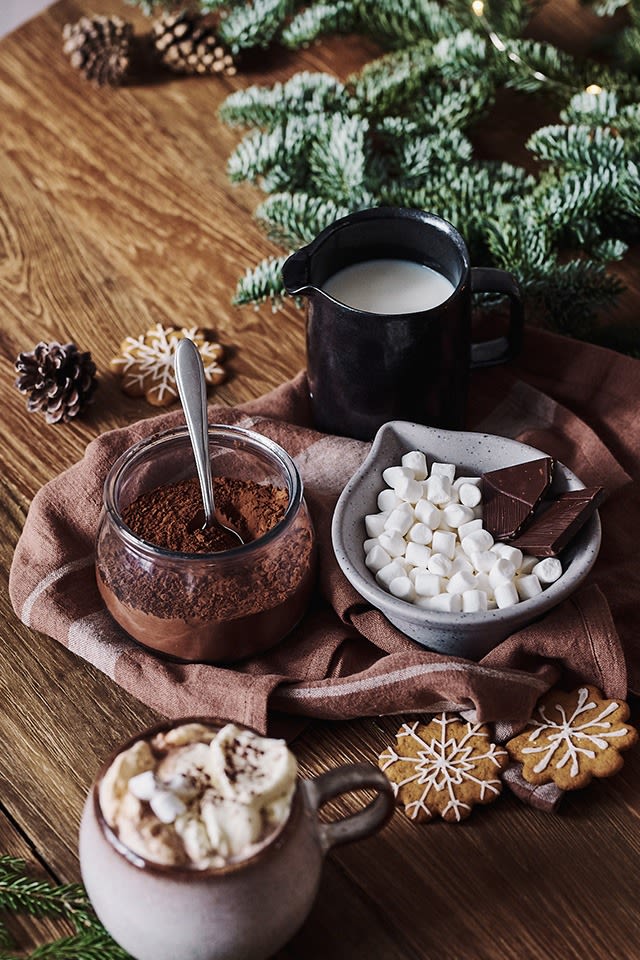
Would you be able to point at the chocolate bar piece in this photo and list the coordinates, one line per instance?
(550, 532)
(511, 494)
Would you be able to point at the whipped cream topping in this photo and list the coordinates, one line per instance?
(199, 796)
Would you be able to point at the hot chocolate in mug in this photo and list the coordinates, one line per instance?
(389, 320)
(244, 909)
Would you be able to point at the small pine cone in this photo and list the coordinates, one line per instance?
(100, 47)
(59, 380)
(186, 45)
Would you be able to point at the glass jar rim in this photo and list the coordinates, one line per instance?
(218, 431)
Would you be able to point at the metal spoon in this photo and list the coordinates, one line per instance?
(192, 390)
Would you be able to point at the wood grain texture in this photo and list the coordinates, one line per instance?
(115, 213)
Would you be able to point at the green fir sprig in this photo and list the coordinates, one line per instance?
(400, 132)
(21, 893)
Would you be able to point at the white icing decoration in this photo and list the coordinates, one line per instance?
(567, 733)
(141, 360)
(443, 763)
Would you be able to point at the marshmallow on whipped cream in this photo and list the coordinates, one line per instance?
(197, 796)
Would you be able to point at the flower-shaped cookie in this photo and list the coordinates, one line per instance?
(573, 737)
(146, 362)
(443, 767)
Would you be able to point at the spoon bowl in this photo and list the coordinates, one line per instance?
(192, 390)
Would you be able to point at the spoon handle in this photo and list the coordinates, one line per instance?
(192, 390)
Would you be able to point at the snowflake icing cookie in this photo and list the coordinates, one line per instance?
(146, 362)
(573, 737)
(443, 768)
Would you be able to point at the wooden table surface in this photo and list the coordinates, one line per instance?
(116, 213)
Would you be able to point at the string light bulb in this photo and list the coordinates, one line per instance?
(593, 88)
(478, 7)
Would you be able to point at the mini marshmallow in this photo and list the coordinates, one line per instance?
(377, 558)
(444, 542)
(506, 594)
(460, 563)
(548, 570)
(440, 565)
(393, 542)
(393, 474)
(399, 520)
(474, 601)
(467, 528)
(408, 489)
(483, 561)
(483, 583)
(420, 533)
(447, 470)
(389, 572)
(456, 514)
(166, 806)
(509, 553)
(469, 494)
(428, 514)
(477, 542)
(416, 461)
(461, 581)
(527, 565)
(418, 554)
(402, 588)
(388, 500)
(370, 543)
(528, 586)
(428, 584)
(143, 785)
(446, 603)
(475, 481)
(424, 602)
(503, 570)
(374, 523)
(437, 490)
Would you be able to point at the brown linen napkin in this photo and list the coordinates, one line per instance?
(344, 660)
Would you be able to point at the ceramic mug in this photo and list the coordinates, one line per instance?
(244, 911)
(366, 367)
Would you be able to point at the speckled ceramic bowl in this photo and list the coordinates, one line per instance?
(469, 635)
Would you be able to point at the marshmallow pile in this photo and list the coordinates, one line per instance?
(428, 546)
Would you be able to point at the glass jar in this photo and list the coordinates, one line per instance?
(205, 607)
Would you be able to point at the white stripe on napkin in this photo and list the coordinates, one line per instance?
(98, 639)
(50, 579)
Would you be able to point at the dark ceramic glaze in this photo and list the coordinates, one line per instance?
(367, 368)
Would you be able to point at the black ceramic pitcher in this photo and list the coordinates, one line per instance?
(367, 368)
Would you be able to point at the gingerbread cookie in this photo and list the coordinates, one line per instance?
(146, 362)
(573, 737)
(443, 768)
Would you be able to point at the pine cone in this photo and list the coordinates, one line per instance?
(59, 380)
(100, 48)
(186, 44)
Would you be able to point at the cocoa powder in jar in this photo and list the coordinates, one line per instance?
(172, 516)
(207, 607)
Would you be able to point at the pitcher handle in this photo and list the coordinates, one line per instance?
(487, 353)
(356, 826)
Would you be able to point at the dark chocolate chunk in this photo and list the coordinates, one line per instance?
(510, 495)
(550, 532)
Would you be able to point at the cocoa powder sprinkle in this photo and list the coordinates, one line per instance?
(171, 516)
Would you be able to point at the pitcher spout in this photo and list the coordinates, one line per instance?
(295, 273)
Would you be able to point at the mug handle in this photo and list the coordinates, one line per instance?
(487, 353)
(356, 826)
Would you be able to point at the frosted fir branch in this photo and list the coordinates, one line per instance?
(393, 80)
(262, 282)
(398, 23)
(265, 107)
(464, 55)
(609, 250)
(338, 159)
(282, 149)
(294, 219)
(595, 108)
(254, 24)
(578, 145)
(606, 8)
(318, 19)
